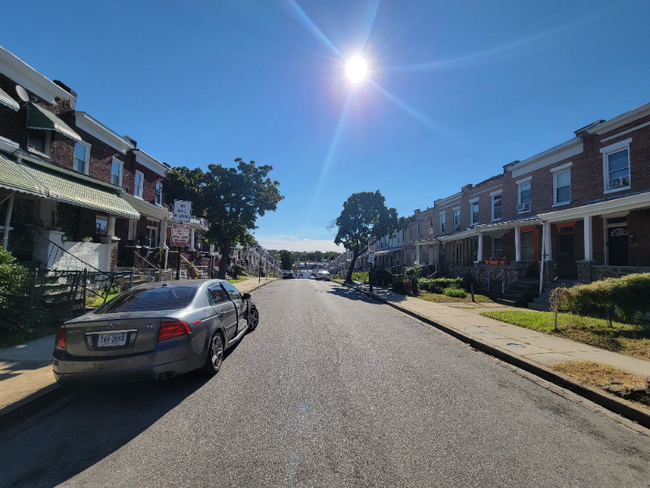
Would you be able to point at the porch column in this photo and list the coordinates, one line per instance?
(418, 257)
(110, 226)
(191, 248)
(517, 245)
(589, 248)
(163, 233)
(10, 209)
(546, 237)
(479, 251)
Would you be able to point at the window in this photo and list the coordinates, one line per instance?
(527, 246)
(233, 292)
(217, 294)
(152, 233)
(139, 181)
(474, 208)
(443, 219)
(101, 225)
(159, 198)
(457, 219)
(562, 187)
(616, 166)
(81, 158)
(39, 140)
(419, 228)
(523, 204)
(116, 172)
(496, 207)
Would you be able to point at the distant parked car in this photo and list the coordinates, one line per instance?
(154, 331)
(287, 274)
(323, 275)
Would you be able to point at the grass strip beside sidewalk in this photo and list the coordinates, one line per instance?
(629, 339)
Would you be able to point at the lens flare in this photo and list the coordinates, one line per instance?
(357, 69)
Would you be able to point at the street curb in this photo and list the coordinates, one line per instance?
(610, 402)
(260, 285)
(30, 398)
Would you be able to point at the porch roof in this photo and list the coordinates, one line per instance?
(147, 209)
(601, 207)
(509, 224)
(38, 181)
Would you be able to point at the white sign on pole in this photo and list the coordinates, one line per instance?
(182, 210)
(371, 258)
(180, 235)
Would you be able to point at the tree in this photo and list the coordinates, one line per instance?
(287, 259)
(364, 220)
(230, 199)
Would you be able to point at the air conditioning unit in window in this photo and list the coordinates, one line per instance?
(615, 182)
(523, 207)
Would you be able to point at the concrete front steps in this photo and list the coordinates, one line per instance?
(520, 293)
(542, 302)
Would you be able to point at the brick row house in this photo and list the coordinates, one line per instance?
(577, 211)
(73, 192)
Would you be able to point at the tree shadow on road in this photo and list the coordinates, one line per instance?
(353, 294)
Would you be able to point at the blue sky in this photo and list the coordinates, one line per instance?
(455, 89)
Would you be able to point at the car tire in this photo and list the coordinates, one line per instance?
(253, 318)
(214, 357)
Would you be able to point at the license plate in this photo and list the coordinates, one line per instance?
(111, 340)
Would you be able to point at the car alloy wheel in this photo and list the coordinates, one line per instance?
(215, 355)
(253, 318)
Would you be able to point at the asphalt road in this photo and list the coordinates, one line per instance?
(332, 389)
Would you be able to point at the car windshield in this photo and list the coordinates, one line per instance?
(167, 298)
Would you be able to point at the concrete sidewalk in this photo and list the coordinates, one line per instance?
(525, 348)
(26, 370)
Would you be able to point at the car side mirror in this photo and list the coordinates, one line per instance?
(246, 296)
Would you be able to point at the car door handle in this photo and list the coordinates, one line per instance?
(221, 314)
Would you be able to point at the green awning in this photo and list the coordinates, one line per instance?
(39, 118)
(47, 184)
(13, 178)
(7, 101)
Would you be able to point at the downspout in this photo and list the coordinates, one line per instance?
(541, 267)
(10, 208)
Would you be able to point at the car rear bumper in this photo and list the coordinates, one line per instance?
(162, 362)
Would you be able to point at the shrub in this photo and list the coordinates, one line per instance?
(413, 272)
(629, 294)
(398, 285)
(455, 292)
(381, 276)
(237, 270)
(439, 284)
(361, 277)
(12, 279)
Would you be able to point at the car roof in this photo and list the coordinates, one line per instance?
(172, 284)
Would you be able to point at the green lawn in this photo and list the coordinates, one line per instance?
(629, 339)
(441, 298)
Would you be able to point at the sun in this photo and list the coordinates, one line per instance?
(357, 69)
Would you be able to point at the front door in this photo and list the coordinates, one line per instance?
(566, 257)
(618, 252)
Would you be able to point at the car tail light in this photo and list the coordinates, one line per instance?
(60, 338)
(173, 329)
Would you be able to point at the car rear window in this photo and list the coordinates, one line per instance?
(167, 298)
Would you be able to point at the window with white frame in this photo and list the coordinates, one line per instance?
(496, 207)
(116, 172)
(81, 158)
(39, 140)
(616, 166)
(524, 197)
(443, 222)
(456, 219)
(562, 187)
(139, 183)
(474, 209)
(159, 196)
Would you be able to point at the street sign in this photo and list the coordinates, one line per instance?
(180, 235)
(371, 258)
(182, 211)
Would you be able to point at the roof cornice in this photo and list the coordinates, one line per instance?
(96, 129)
(23, 74)
(559, 152)
(150, 162)
(621, 120)
(449, 199)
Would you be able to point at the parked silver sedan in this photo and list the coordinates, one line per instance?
(154, 331)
